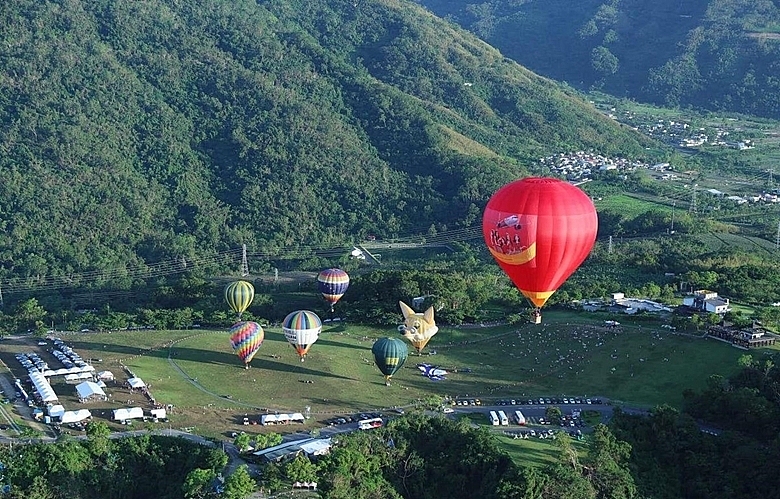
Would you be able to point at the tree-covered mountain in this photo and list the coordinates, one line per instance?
(139, 132)
(712, 54)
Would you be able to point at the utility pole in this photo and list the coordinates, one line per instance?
(693, 199)
(671, 227)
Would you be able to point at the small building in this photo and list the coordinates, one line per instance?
(754, 337)
(89, 391)
(707, 301)
(317, 447)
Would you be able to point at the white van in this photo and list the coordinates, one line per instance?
(503, 418)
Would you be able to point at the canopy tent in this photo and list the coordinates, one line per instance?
(89, 390)
(128, 413)
(136, 383)
(42, 386)
(56, 411)
(269, 419)
(158, 413)
(75, 416)
(75, 378)
(105, 376)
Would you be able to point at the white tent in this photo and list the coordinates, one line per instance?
(128, 413)
(56, 411)
(75, 416)
(269, 419)
(89, 390)
(135, 383)
(105, 376)
(158, 413)
(42, 386)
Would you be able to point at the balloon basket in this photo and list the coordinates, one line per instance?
(536, 316)
(303, 358)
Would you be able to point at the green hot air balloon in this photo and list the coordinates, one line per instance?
(239, 296)
(389, 355)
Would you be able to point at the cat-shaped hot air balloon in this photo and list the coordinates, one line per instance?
(417, 328)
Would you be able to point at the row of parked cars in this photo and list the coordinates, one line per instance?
(339, 420)
(31, 360)
(551, 401)
(539, 401)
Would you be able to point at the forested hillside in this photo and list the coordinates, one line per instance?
(135, 132)
(712, 54)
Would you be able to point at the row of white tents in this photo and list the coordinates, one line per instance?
(269, 419)
(124, 414)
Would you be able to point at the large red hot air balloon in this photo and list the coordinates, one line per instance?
(539, 230)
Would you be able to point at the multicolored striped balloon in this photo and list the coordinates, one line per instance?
(246, 338)
(332, 283)
(302, 328)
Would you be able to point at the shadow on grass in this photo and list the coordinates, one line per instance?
(204, 356)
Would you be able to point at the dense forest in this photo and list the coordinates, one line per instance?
(711, 54)
(662, 455)
(136, 133)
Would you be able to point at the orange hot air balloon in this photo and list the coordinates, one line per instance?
(539, 230)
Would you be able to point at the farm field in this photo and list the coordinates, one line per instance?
(570, 354)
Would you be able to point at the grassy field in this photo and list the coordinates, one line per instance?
(629, 206)
(570, 354)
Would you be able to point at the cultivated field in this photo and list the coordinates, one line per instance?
(570, 354)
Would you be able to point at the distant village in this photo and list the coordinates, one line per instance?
(580, 166)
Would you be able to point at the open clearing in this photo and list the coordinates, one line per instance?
(570, 354)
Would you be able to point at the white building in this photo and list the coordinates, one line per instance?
(707, 301)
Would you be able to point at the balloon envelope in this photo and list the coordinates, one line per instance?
(246, 338)
(389, 355)
(239, 295)
(302, 328)
(539, 230)
(332, 283)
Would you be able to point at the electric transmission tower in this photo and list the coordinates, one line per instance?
(244, 262)
(777, 245)
(609, 248)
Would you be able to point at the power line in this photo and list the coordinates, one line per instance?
(222, 259)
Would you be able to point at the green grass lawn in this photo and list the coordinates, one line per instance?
(535, 451)
(629, 206)
(569, 354)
